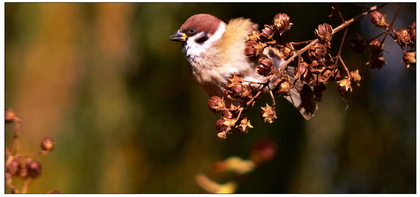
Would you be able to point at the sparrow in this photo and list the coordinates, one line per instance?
(215, 52)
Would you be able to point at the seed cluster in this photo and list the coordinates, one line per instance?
(21, 165)
(315, 67)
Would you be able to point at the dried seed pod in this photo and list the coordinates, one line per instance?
(318, 51)
(47, 144)
(409, 58)
(259, 49)
(377, 61)
(324, 32)
(344, 86)
(281, 22)
(413, 32)
(245, 125)
(267, 31)
(261, 70)
(250, 51)
(253, 35)
(403, 37)
(268, 114)
(247, 92)
(301, 70)
(237, 89)
(284, 88)
(376, 45)
(14, 167)
(378, 19)
(33, 168)
(220, 127)
(234, 80)
(266, 34)
(355, 77)
(265, 68)
(284, 52)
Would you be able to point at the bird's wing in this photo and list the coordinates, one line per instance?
(302, 96)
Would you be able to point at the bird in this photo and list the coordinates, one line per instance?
(215, 52)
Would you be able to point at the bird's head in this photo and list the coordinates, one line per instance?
(199, 32)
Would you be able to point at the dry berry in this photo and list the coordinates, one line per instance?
(14, 167)
(33, 168)
(47, 144)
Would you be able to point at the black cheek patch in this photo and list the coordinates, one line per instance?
(202, 38)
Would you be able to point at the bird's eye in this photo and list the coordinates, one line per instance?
(192, 30)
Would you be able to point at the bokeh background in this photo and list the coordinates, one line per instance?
(104, 81)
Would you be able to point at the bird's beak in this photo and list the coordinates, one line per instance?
(178, 37)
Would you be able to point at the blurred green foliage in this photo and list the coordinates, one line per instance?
(104, 81)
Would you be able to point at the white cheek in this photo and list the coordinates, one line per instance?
(193, 49)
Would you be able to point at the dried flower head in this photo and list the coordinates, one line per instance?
(220, 126)
(344, 86)
(301, 70)
(318, 51)
(409, 58)
(265, 68)
(376, 45)
(245, 125)
(254, 35)
(282, 22)
(324, 32)
(403, 37)
(378, 19)
(284, 88)
(355, 77)
(413, 31)
(268, 113)
(267, 31)
(377, 61)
